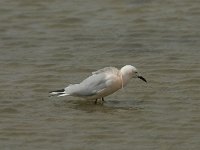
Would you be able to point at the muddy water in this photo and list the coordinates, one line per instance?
(46, 45)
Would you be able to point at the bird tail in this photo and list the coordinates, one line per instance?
(58, 93)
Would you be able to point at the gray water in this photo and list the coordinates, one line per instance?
(46, 45)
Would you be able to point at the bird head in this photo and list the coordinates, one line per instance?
(131, 72)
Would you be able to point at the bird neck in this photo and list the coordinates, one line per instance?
(125, 78)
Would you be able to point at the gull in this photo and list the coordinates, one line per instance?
(101, 83)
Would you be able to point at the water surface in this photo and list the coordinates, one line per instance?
(46, 45)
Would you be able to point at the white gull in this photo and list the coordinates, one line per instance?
(101, 83)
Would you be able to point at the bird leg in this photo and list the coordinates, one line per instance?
(102, 99)
(95, 101)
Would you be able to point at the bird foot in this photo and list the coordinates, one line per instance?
(102, 99)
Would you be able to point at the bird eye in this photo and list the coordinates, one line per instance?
(136, 72)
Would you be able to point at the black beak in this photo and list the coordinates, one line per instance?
(142, 78)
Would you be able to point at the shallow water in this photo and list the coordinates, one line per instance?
(46, 45)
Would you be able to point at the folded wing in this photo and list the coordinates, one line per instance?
(112, 70)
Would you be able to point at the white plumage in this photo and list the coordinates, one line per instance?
(101, 83)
